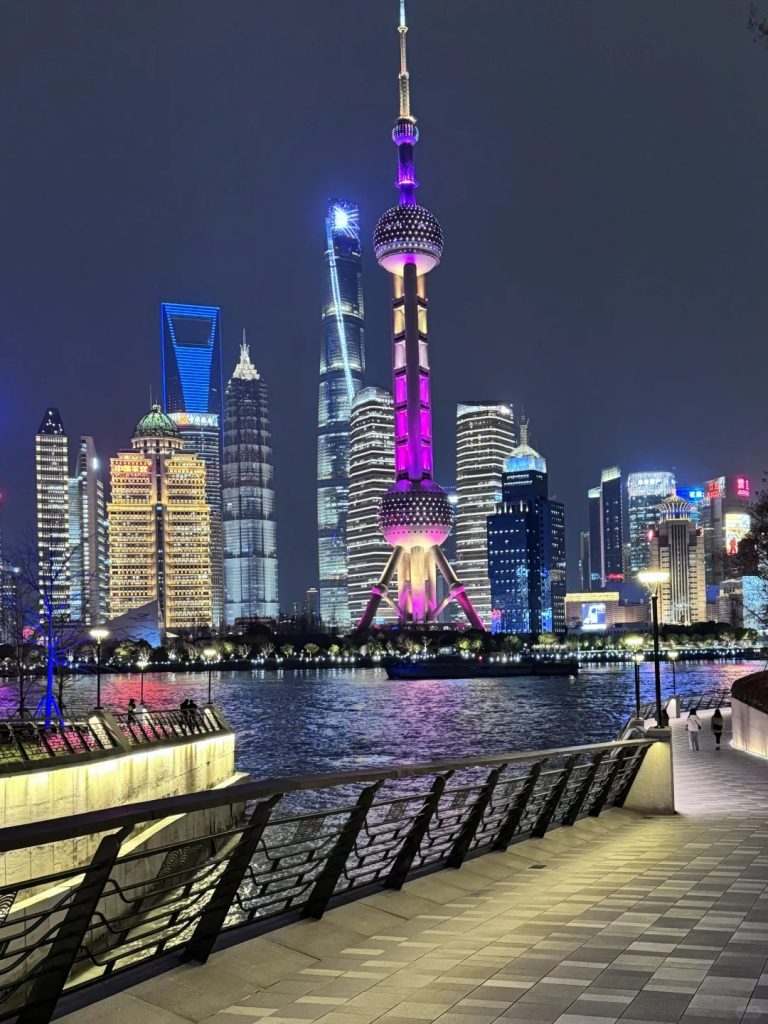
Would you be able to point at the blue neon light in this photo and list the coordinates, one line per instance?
(194, 360)
(340, 325)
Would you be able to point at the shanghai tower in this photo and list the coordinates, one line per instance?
(415, 514)
(342, 361)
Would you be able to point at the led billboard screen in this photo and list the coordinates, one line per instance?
(593, 616)
(736, 529)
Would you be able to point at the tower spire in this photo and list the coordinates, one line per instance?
(405, 95)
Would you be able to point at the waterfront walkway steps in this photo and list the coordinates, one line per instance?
(620, 918)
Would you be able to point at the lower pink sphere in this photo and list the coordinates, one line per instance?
(415, 515)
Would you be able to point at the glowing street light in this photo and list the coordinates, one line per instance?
(653, 579)
(209, 654)
(673, 656)
(638, 660)
(142, 666)
(98, 633)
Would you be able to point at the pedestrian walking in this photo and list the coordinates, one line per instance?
(131, 711)
(717, 727)
(693, 728)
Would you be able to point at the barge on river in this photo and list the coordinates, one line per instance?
(471, 668)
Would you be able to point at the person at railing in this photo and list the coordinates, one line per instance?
(131, 712)
(693, 728)
(717, 727)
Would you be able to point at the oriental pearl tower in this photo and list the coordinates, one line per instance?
(415, 515)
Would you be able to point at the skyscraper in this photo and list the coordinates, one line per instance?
(485, 435)
(676, 547)
(724, 516)
(584, 560)
(342, 361)
(611, 525)
(89, 577)
(416, 515)
(192, 396)
(526, 550)
(595, 540)
(645, 492)
(248, 493)
(159, 527)
(371, 461)
(52, 494)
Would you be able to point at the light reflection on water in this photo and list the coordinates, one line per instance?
(302, 722)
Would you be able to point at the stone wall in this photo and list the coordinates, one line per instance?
(749, 707)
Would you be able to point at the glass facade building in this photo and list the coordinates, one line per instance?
(371, 464)
(485, 435)
(526, 550)
(725, 518)
(248, 493)
(192, 396)
(52, 501)
(342, 362)
(89, 576)
(612, 525)
(645, 492)
(676, 547)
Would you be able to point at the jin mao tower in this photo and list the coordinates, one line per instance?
(415, 514)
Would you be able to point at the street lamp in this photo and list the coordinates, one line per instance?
(209, 654)
(673, 656)
(98, 633)
(142, 666)
(638, 660)
(652, 579)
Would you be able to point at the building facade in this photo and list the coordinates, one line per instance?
(342, 362)
(724, 517)
(526, 550)
(371, 461)
(89, 574)
(604, 612)
(192, 396)
(677, 548)
(645, 492)
(485, 435)
(611, 526)
(52, 513)
(248, 492)
(160, 528)
(595, 540)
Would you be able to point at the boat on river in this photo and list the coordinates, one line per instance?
(478, 668)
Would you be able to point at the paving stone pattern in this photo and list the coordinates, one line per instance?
(621, 918)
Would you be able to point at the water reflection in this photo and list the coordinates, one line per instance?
(301, 722)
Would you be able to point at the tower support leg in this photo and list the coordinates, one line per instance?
(379, 590)
(456, 589)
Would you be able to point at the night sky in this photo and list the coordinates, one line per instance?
(599, 169)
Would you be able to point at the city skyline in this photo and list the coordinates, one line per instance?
(102, 370)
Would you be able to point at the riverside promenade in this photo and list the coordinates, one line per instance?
(619, 918)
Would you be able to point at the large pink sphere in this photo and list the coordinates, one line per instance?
(415, 515)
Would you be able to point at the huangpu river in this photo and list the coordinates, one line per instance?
(305, 721)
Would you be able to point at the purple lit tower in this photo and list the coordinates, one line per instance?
(415, 515)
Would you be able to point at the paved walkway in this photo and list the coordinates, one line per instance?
(621, 918)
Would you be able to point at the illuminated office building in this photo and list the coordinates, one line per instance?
(89, 577)
(371, 460)
(694, 495)
(584, 560)
(52, 501)
(526, 550)
(676, 547)
(612, 525)
(645, 492)
(342, 361)
(416, 515)
(192, 396)
(595, 540)
(248, 492)
(160, 527)
(724, 516)
(485, 435)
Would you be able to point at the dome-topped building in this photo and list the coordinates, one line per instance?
(523, 459)
(675, 507)
(156, 433)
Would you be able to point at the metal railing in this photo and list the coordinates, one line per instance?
(27, 744)
(703, 700)
(251, 857)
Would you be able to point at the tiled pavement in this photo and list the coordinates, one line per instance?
(621, 918)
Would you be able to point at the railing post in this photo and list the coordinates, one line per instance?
(602, 795)
(318, 899)
(53, 971)
(467, 833)
(507, 831)
(412, 842)
(543, 820)
(212, 919)
(578, 802)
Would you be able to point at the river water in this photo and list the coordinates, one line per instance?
(303, 722)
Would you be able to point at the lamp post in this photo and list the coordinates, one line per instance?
(142, 666)
(673, 656)
(209, 654)
(638, 660)
(98, 633)
(652, 579)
